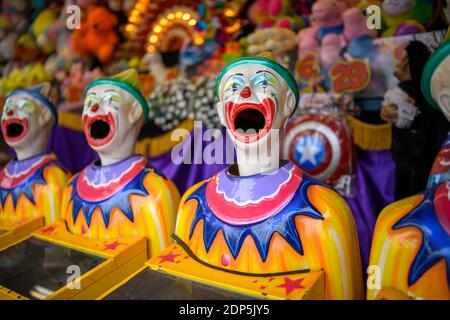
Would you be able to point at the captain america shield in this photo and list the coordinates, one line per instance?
(321, 145)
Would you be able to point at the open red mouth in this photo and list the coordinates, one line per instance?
(249, 122)
(15, 129)
(99, 130)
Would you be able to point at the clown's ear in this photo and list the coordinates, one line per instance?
(45, 117)
(46, 90)
(290, 104)
(136, 112)
(220, 111)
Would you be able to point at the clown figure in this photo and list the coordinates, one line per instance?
(262, 215)
(120, 194)
(410, 256)
(31, 184)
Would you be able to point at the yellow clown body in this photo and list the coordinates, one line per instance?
(409, 257)
(137, 201)
(121, 194)
(289, 223)
(32, 188)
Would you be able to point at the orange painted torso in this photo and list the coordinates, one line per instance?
(272, 224)
(31, 188)
(411, 248)
(126, 199)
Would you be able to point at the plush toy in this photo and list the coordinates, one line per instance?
(23, 78)
(58, 35)
(97, 35)
(73, 86)
(275, 40)
(326, 19)
(13, 22)
(408, 16)
(358, 37)
(274, 13)
(414, 133)
(330, 51)
(355, 25)
(42, 21)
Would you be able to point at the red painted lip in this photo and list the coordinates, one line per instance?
(267, 108)
(89, 121)
(10, 121)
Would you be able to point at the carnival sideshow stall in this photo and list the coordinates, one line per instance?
(241, 149)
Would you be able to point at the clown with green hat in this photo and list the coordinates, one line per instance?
(252, 218)
(120, 194)
(411, 241)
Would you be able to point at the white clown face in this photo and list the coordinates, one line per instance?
(398, 7)
(254, 100)
(24, 119)
(440, 86)
(110, 115)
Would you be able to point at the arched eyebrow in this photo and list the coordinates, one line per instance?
(261, 71)
(91, 94)
(110, 90)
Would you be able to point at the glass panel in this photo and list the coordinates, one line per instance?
(157, 285)
(36, 269)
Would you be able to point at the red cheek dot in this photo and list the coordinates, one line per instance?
(226, 260)
(9, 113)
(246, 93)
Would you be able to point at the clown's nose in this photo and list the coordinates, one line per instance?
(246, 93)
(94, 108)
(9, 113)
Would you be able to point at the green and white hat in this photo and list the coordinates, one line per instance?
(266, 62)
(433, 63)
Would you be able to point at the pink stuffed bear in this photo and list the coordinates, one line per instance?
(355, 25)
(273, 13)
(326, 19)
(330, 52)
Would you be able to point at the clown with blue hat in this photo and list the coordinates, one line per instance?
(32, 183)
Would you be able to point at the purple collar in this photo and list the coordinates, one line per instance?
(96, 175)
(18, 167)
(17, 171)
(253, 189)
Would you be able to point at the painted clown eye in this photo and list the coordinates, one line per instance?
(234, 83)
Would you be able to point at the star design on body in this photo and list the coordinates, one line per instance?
(290, 285)
(170, 257)
(48, 230)
(113, 245)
